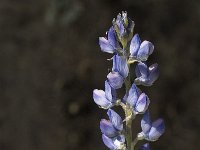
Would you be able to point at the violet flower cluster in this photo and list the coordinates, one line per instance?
(127, 49)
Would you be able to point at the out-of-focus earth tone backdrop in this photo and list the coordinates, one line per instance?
(50, 62)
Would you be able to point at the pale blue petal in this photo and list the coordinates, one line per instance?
(108, 91)
(108, 142)
(107, 128)
(145, 147)
(112, 38)
(142, 103)
(105, 45)
(135, 45)
(157, 129)
(133, 95)
(146, 49)
(153, 73)
(115, 80)
(115, 119)
(141, 70)
(100, 99)
(146, 123)
(120, 65)
(115, 63)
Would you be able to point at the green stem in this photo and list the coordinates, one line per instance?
(129, 134)
(128, 113)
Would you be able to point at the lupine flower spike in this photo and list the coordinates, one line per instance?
(127, 49)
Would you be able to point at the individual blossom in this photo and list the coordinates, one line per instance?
(112, 131)
(123, 27)
(140, 51)
(146, 75)
(116, 143)
(145, 147)
(105, 99)
(137, 100)
(151, 131)
(109, 44)
(119, 72)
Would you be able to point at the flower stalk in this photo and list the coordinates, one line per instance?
(127, 49)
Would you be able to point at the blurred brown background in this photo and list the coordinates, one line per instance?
(50, 62)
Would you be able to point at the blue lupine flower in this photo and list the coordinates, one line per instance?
(113, 126)
(119, 72)
(105, 99)
(110, 44)
(137, 100)
(146, 76)
(111, 131)
(152, 131)
(145, 147)
(115, 143)
(140, 51)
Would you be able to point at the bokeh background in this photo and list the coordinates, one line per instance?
(50, 62)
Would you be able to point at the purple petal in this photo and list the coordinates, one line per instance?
(108, 142)
(115, 80)
(100, 99)
(135, 45)
(142, 103)
(105, 45)
(107, 128)
(141, 70)
(157, 129)
(145, 147)
(153, 73)
(146, 49)
(108, 91)
(133, 95)
(115, 119)
(120, 65)
(146, 123)
(112, 38)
